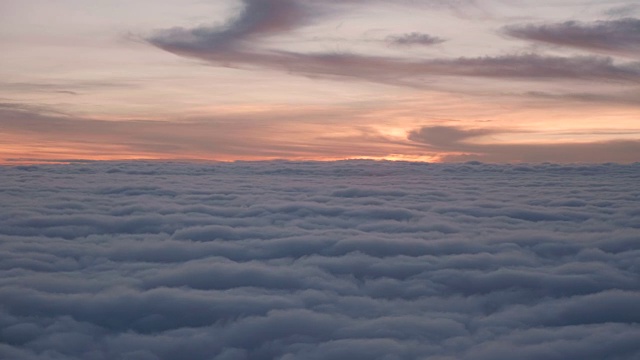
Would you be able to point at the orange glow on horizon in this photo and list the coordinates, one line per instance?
(65, 155)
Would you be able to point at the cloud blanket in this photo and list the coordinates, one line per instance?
(343, 260)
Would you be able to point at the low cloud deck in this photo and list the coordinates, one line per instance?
(345, 260)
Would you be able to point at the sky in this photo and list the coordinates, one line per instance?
(421, 80)
(360, 259)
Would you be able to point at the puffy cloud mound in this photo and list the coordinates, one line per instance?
(345, 260)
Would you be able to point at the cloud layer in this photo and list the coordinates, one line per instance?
(458, 144)
(267, 135)
(614, 36)
(237, 45)
(414, 38)
(346, 260)
(322, 80)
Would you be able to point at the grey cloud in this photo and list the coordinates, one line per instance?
(414, 38)
(446, 137)
(626, 98)
(233, 46)
(341, 260)
(459, 142)
(620, 36)
(623, 10)
(406, 72)
(532, 66)
(64, 87)
(257, 19)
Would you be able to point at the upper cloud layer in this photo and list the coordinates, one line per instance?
(235, 45)
(614, 36)
(257, 19)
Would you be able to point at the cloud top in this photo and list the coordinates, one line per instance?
(343, 260)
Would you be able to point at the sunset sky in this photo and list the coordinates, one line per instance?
(423, 80)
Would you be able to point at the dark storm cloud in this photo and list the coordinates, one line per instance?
(460, 143)
(414, 38)
(620, 36)
(236, 44)
(343, 260)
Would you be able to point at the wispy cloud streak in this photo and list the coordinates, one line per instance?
(613, 36)
(237, 45)
(459, 144)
